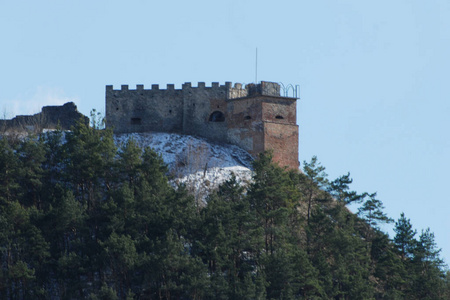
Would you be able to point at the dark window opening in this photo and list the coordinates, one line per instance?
(170, 111)
(217, 106)
(248, 118)
(279, 117)
(217, 116)
(117, 108)
(136, 121)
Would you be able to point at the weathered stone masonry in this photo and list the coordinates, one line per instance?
(65, 116)
(254, 117)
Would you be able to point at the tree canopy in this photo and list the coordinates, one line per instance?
(82, 218)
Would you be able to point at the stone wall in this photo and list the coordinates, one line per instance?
(143, 110)
(64, 116)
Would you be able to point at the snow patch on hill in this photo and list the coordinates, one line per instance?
(199, 164)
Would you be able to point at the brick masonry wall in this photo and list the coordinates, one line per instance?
(281, 130)
(245, 125)
(282, 139)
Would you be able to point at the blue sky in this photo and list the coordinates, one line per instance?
(373, 75)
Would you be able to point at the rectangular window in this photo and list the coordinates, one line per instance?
(135, 121)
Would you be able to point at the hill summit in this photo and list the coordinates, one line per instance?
(196, 162)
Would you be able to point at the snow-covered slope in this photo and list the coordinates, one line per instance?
(196, 162)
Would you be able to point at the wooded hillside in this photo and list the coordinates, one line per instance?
(81, 219)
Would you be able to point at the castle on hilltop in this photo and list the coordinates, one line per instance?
(255, 117)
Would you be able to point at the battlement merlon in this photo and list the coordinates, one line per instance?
(186, 85)
(264, 88)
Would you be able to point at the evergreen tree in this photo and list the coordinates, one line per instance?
(426, 267)
(229, 243)
(24, 253)
(339, 189)
(404, 237)
(9, 172)
(388, 268)
(313, 185)
(272, 196)
(31, 153)
(129, 163)
(372, 212)
(121, 256)
(89, 155)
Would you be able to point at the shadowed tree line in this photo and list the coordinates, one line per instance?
(82, 219)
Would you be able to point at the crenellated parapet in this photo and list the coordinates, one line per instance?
(238, 90)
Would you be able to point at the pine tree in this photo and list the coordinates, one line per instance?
(339, 189)
(404, 238)
(24, 253)
(89, 155)
(31, 153)
(426, 267)
(129, 163)
(272, 196)
(9, 172)
(230, 242)
(372, 212)
(389, 268)
(312, 185)
(120, 253)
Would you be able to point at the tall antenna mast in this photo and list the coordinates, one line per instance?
(256, 67)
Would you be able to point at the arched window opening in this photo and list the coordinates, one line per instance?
(217, 116)
(248, 118)
(279, 117)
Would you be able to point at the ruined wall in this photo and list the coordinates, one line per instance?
(255, 118)
(64, 116)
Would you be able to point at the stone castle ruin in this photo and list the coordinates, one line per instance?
(255, 117)
(64, 116)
